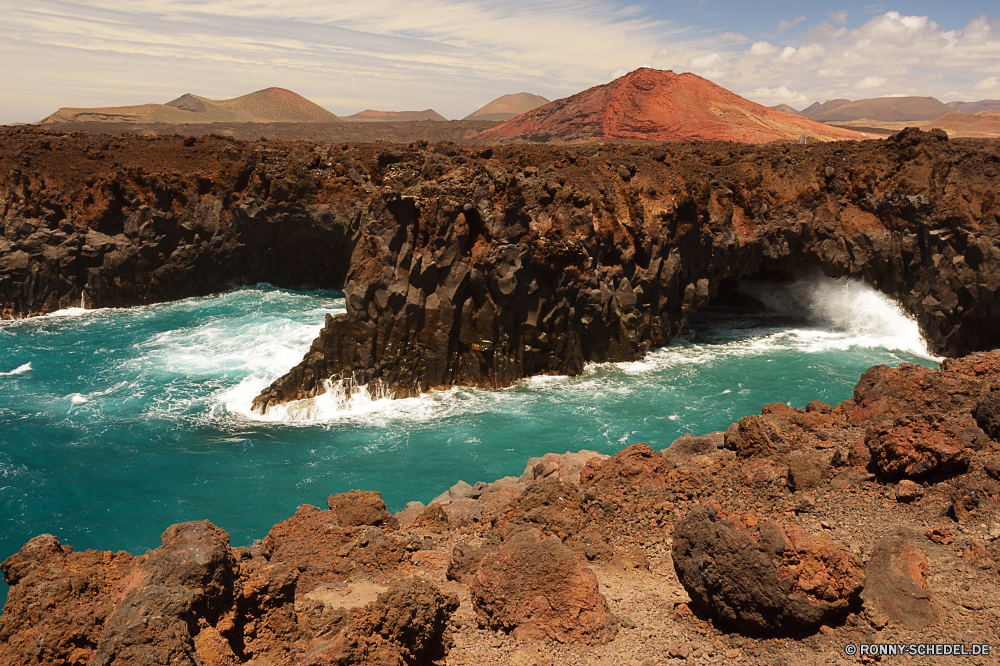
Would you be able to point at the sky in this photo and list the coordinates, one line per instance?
(456, 55)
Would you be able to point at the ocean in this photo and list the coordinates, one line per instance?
(116, 423)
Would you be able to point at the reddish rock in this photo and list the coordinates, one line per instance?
(760, 578)
(58, 601)
(552, 505)
(314, 543)
(915, 448)
(566, 466)
(940, 534)
(533, 587)
(359, 507)
(637, 465)
(896, 583)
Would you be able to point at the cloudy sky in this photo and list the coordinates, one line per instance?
(455, 55)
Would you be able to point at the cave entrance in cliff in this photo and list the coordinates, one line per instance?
(820, 307)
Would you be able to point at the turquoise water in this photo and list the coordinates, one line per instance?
(116, 423)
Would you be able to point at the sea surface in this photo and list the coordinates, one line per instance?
(117, 423)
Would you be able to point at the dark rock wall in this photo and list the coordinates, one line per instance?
(123, 221)
(541, 260)
(479, 266)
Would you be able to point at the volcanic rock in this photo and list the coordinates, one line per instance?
(359, 507)
(46, 619)
(688, 446)
(760, 578)
(916, 448)
(533, 587)
(190, 578)
(896, 583)
(653, 105)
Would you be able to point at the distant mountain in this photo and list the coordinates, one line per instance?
(508, 106)
(975, 107)
(816, 108)
(784, 108)
(974, 125)
(271, 105)
(654, 105)
(881, 108)
(394, 116)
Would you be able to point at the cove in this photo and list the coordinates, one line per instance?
(116, 423)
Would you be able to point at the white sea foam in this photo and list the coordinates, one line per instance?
(77, 398)
(70, 312)
(19, 370)
(847, 313)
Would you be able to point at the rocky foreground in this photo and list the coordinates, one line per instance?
(780, 541)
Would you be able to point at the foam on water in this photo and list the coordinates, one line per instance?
(19, 370)
(116, 424)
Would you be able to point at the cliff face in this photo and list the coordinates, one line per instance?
(539, 260)
(479, 266)
(122, 221)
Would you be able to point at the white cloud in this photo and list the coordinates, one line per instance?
(839, 16)
(785, 24)
(990, 84)
(891, 53)
(763, 48)
(780, 95)
(870, 82)
(738, 37)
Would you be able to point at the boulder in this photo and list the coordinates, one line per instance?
(896, 582)
(915, 448)
(533, 587)
(566, 466)
(185, 582)
(688, 446)
(760, 578)
(359, 507)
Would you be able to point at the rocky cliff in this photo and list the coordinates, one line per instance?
(482, 265)
(794, 533)
(536, 260)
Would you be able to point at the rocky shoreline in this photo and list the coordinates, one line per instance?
(481, 265)
(794, 533)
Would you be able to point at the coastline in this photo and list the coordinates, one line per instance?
(906, 470)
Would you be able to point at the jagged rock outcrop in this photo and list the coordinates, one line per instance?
(761, 578)
(508, 269)
(479, 266)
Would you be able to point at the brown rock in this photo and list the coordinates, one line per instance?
(405, 625)
(533, 587)
(359, 507)
(761, 578)
(896, 583)
(807, 470)
(566, 466)
(908, 491)
(688, 446)
(190, 578)
(915, 448)
(214, 650)
(940, 534)
(47, 619)
(977, 554)
(433, 518)
(637, 465)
